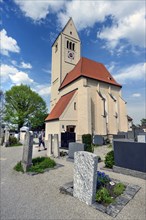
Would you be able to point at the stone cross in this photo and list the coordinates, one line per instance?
(56, 146)
(49, 145)
(85, 176)
(6, 137)
(27, 151)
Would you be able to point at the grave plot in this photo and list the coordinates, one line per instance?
(97, 189)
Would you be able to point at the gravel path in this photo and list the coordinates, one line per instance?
(25, 197)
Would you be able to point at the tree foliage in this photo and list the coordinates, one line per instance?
(22, 105)
(143, 121)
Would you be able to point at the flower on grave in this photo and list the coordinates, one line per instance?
(111, 183)
(102, 179)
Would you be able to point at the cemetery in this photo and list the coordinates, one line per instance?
(89, 182)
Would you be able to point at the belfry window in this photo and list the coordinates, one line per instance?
(67, 44)
(70, 45)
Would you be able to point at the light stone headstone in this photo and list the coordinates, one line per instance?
(74, 147)
(6, 137)
(27, 151)
(85, 176)
(141, 138)
(56, 146)
(49, 145)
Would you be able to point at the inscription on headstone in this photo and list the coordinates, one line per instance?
(27, 151)
(85, 176)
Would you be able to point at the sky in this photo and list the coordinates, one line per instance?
(112, 32)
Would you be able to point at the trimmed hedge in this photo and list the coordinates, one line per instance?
(87, 140)
(109, 159)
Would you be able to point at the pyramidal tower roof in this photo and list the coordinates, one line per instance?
(68, 29)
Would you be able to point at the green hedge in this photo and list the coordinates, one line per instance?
(109, 159)
(87, 140)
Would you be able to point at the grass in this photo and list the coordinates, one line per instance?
(119, 189)
(39, 165)
(16, 145)
(107, 193)
(18, 167)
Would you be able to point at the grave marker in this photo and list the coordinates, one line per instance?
(85, 176)
(27, 151)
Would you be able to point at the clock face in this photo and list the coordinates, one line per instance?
(71, 55)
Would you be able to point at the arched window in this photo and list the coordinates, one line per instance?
(70, 45)
(67, 44)
(73, 46)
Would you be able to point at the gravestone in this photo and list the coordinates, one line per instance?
(98, 139)
(27, 151)
(56, 146)
(6, 138)
(141, 138)
(85, 176)
(49, 145)
(74, 147)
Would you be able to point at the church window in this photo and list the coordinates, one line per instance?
(71, 32)
(56, 47)
(67, 44)
(73, 46)
(75, 106)
(70, 45)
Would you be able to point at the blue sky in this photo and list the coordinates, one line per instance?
(112, 32)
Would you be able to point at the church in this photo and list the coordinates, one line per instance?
(85, 98)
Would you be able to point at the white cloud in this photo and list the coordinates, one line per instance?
(43, 90)
(136, 95)
(128, 20)
(20, 77)
(6, 70)
(26, 65)
(41, 8)
(8, 44)
(16, 76)
(132, 73)
(131, 28)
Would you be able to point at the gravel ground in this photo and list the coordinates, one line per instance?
(25, 197)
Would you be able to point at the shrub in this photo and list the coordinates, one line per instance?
(87, 140)
(13, 141)
(41, 163)
(103, 195)
(19, 167)
(102, 179)
(119, 189)
(109, 159)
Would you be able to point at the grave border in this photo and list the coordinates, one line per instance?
(114, 208)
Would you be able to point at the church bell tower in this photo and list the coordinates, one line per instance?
(66, 53)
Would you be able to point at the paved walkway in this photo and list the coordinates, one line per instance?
(25, 197)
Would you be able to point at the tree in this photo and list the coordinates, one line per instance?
(24, 106)
(143, 121)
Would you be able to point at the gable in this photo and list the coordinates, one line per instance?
(70, 30)
(60, 106)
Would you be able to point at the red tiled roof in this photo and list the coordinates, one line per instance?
(90, 69)
(60, 106)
